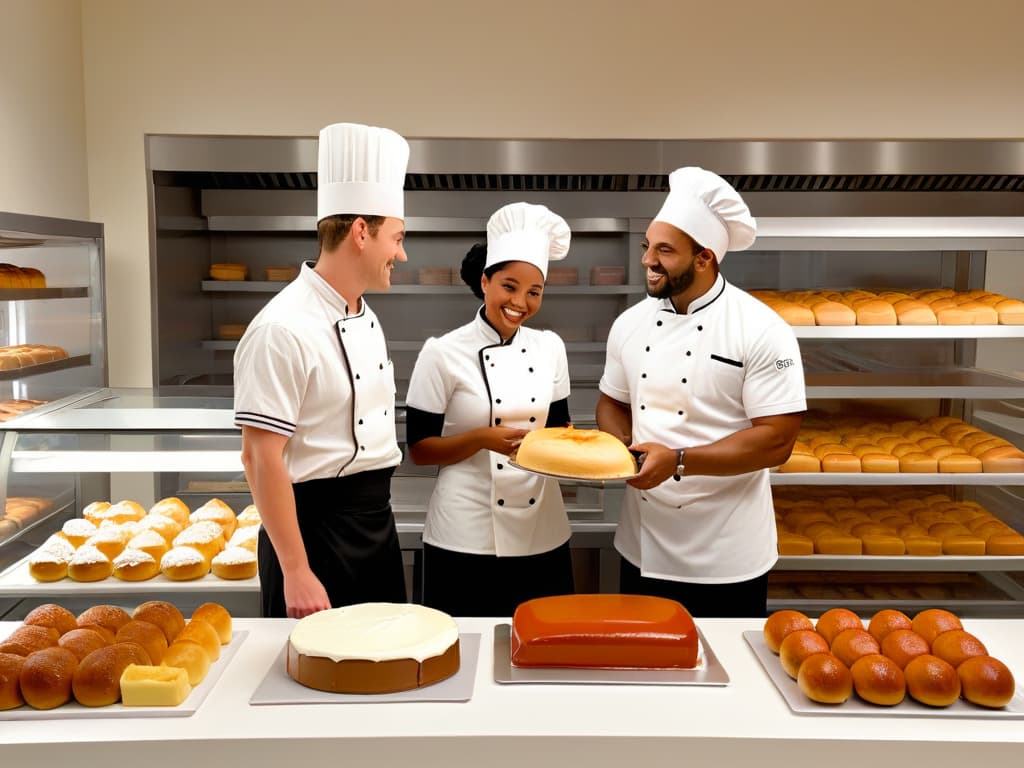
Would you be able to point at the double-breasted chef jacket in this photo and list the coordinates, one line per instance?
(690, 380)
(483, 505)
(309, 369)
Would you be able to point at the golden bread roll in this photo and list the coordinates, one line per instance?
(109, 541)
(782, 623)
(956, 646)
(234, 563)
(10, 685)
(932, 622)
(914, 312)
(918, 462)
(990, 528)
(150, 686)
(801, 462)
(164, 615)
(97, 681)
(879, 680)
(850, 644)
(190, 657)
(959, 462)
(150, 542)
(135, 565)
(875, 312)
(943, 529)
(833, 313)
(148, 635)
(1011, 312)
(986, 681)
(50, 563)
(222, 516)
(825, 679)
(836, 620)
(184, 564)
(110, 617)
(89, 564)
(92, 511)
(1004, 544)
(1002, 459)
(202, 634)
(29, 638)
(793, 544)
(78, 530)
(877, 461)
(51, 615)
(122, 512)
(932, 681)
(246, 537)
(952, 315)
(923, 546)
(229, 270)
(171, 507)
(797, 646)
(840, 462)
(218, 617)
(981, 314)
(963, 544)
(206, 537)
(902, 645)
(82, 641)
(885, 545)
(887, 620)
(46, 677)
(249, 516)
(164, 526)
(838, 544)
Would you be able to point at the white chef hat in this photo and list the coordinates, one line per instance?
(707, 208)
(361, 170)
(525, 232)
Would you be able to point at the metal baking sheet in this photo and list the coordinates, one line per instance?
(570, 478)
(710, 672)
(74, 711)
(278, 688)
(855, 706)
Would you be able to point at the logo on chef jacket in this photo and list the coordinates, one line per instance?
(784, 364)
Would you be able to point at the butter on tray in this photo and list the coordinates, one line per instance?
(146, 686)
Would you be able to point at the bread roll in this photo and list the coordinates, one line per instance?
(46, 677)
(122, 512)
(932, 622)
(875, 312)
(838, 544)
(825, 679)
(89, 564)
(887, 620)
(234, 563)
(959, 462)
(840, 462)
(836, 620)
(932, 681)
(82, 641)
(801, 462)
(171, 507)
(877, 461)
(956, 646)
(797, 646)
(986, 681)
(50, 563)
(150, 542)
(217, 616)
(850, 644)
(981, 314)
(223, 516)
(110, 617)
(191, 658)
(1002, 459)
(10, 685)
(923, 546)
(914, 312)
(1004, 544)
(108, 540)
(246, 537)
(51, 615)
(164, 615)
(97, 681)
(78, 530)
(206, 537)
(202, 634)
(833, 313)
(885, 545)
(184, 564)
(93, 511)
(164, 526)
(878, 680)
(793, 544)
(782, 623)
(1011, 312)
(902, 645)
(963, 544)
(249, 516)
(918, 462)
(149, 636)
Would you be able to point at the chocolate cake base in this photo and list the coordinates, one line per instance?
(365, 676)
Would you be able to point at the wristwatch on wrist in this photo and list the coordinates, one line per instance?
(680, 462)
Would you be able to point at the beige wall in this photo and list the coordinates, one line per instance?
(524, 68)
(42, 110)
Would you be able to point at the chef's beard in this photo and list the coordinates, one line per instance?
(673, 286)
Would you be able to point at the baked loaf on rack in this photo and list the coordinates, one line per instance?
(584, 453)
(24, 355)
(604, 631)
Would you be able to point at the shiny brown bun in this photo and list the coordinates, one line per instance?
(82, 641)
(217, 616)
(110, 617)
(97, 680)
(234, 563)
(52, 615)
(202, 634)
(46, 677)
(28, 639)
(932, 681)
(932, 622)
(164, 615)
(835, 620)
(190, 657)
(797, 646)
(171, 507)
(10, 685)
(879, 680)
(825, 679)
(148, 635)
(956, 646)
(902, 645)
(887, 620)
(782, 623)
(851, 644)
(986, 681)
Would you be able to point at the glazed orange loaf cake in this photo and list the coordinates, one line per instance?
(587, 453)
(604, 631)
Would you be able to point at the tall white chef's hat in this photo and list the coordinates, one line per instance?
(707, 208)
(361, 170)
(525, 232)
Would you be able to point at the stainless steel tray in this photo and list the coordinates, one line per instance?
(570, 478)
(801, 705)
(75, 711)
(710, 672)
(278, 688)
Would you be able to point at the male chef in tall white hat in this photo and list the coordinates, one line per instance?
(707, 382)
(315, 393)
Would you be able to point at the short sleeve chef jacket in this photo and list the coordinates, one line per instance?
(309, 370)
(692, 379)
(482, 505)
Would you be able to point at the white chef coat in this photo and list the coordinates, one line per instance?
(308, 369)
(692, 379)
(482, 505)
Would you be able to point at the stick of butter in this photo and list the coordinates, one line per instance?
(146, 686)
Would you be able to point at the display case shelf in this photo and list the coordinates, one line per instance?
(29, 294)
(965, 383)
(54, 365)
(896, 478)
(909, 332)
(859, 563)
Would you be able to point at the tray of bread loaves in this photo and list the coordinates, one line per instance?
(927, 665)
(604, 639)
(567, 453)
(121, 549)
(109, 662)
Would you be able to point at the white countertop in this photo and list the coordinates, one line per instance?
(521, 725)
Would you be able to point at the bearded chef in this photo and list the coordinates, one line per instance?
(315, 393)
(494, 535)
(707, 382)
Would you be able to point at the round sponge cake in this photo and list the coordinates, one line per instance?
(585, 453)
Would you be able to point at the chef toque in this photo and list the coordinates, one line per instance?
(707, 208)
(525, 232)
(361, 170)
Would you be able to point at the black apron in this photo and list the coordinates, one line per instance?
(351, 542)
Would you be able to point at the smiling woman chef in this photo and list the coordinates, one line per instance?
(708, 382)
(495, 535)
(315, 393)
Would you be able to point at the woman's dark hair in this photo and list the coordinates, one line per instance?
(473, 268)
